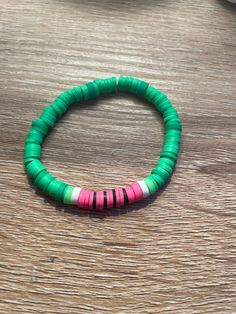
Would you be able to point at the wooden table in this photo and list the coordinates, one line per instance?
(172, 254)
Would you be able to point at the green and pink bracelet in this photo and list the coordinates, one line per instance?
(115, 197)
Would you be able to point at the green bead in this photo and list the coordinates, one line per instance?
(169, 155)
(40, 126)
(67, 194)
(44, 181)
(34, 168)
(32, 147)
(111, 84)
(173, 148)
(173, 132)
(56, 189)
(151, 93)
(170, 117)
(141, 88)
(121, 83)
(32, 154)
(85, 92)
(161, 172)
(39, 177)
(49, 117)
(134, 85)
(166, 166)
(77, 93)
(67, 98)
(27, 160)
(151, 184)
(164, 105)
(158, 179)
(58, 107)
(167, 161)
(93, 90)
(158, 99)
(173, 124)
(34, 136)
(125, 84)
(172, 138)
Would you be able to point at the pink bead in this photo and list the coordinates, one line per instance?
(90, 202)
(130, 194)
(109, 199)
(137, 191)
(119, 197)
(86, 199)
(81, 198)
(100, 200)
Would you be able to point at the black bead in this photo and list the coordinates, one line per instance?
(94, 200)
(125, 196)
(105, 199)
(114, 197)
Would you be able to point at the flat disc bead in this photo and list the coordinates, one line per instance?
(151, 93)
(137, 191)
(77, 93)
(161, 172)
(40, 125)
(90, 201)
(119, 197)
(75, 195)
(169, 155)
(130, 194)
(158, 179)
(34, 168)
(110, 200)
(151, 184)
(67, 194)
(56, 189)
(100, 200)
(85, 92)
(144, 188)
(165, 166)
(86, 199)
(43, 181)
(34, 136)
(93, 90)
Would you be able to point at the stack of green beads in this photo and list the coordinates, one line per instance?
(115, 197)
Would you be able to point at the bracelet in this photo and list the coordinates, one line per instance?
(115, 197)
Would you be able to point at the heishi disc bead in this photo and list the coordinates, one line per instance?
(100, 200)
(110, 200)
(119, 197)
(67, 194)
(75, 195)
(44, 181)
(34, 168)
(137, 191)
(151, 184)
(144, 188)
(90, 202)
(81, 199)
(86, 199)
(130, 194)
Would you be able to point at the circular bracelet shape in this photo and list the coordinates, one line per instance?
(116, 197)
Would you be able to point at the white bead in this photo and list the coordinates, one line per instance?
(144, 188)
(75, 195)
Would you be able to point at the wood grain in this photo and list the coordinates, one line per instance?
(172, 254)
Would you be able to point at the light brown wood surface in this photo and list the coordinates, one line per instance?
(172, 254)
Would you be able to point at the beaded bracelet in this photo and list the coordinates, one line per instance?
(115, 197)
